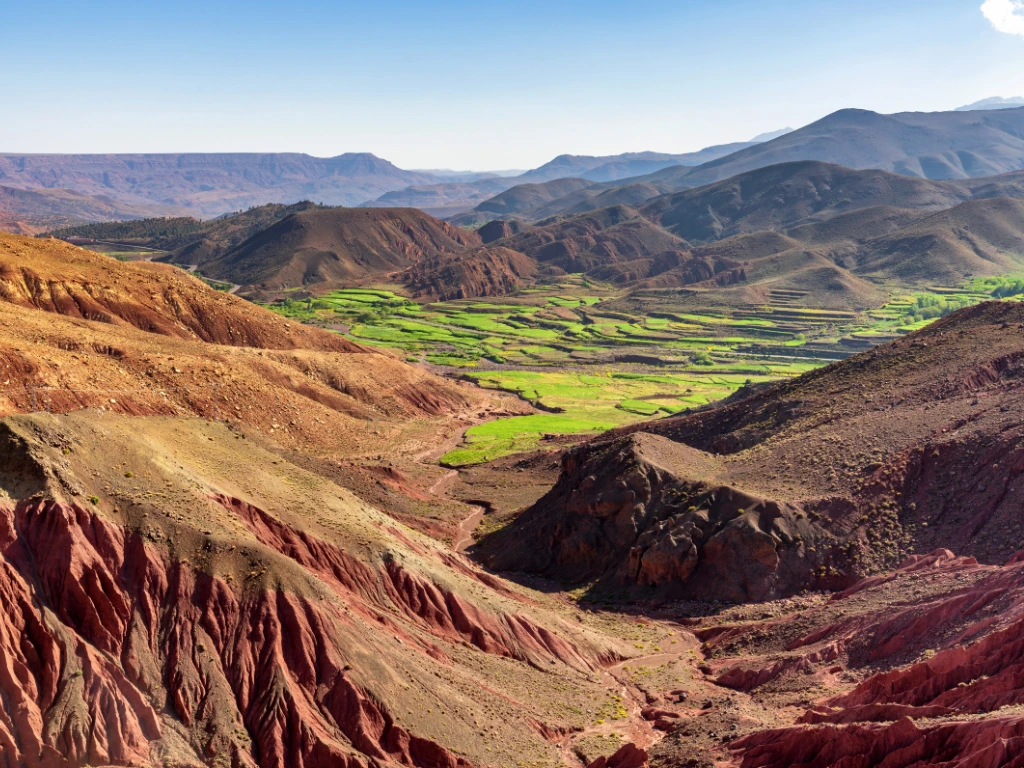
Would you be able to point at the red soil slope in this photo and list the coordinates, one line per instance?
(154, 617)
(56, 277)
(79, 330)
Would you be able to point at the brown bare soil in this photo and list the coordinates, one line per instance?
(84, 330)
(75, 283)
(479, 272)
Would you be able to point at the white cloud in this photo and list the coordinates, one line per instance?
(1006, 15)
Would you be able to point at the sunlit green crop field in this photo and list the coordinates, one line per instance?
(589, 368)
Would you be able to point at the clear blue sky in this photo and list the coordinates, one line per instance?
(483, 84)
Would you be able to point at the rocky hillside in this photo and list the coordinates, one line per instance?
(326, 247)
(79, 329)
(55, 277)
(168, 605)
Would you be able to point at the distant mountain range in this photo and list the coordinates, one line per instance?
(211, 184)
(935, 146)
(447, 199)
(835, 233)
(996, 102)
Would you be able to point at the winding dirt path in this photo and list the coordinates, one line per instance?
(464, 537)
(442, 485)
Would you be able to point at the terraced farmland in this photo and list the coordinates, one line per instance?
(589, 359)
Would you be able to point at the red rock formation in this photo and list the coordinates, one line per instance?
(972, 669)
(438, 610)
(974, 744)
(102, 638)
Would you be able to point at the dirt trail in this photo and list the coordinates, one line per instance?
(442, 485)
(464, 537)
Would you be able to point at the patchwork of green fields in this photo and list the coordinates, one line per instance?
(589, 366)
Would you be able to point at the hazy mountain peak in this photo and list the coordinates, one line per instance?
(995, 102)
(763, 137)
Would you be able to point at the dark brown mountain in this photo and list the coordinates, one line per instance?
(770, 197)
(932, 145)
(780, 196)
(336, 246)
(840, 261)
(980, 237)
(937, 146)
(591, 240)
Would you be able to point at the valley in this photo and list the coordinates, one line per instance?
(589, 358)
(651, 460)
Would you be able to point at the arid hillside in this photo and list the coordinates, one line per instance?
(328, 246)
(830, 232)
(79, 329)
(780, 196)
(178, 594)
(190, 582)
(224, 542)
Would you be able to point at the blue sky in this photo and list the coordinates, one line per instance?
(481, 84)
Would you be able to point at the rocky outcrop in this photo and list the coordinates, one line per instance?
(805, 484)
(948, 636)
(644, 511)
(492, 271)
(992, 742)
(439, 610)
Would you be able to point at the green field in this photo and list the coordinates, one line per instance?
(588, 365)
